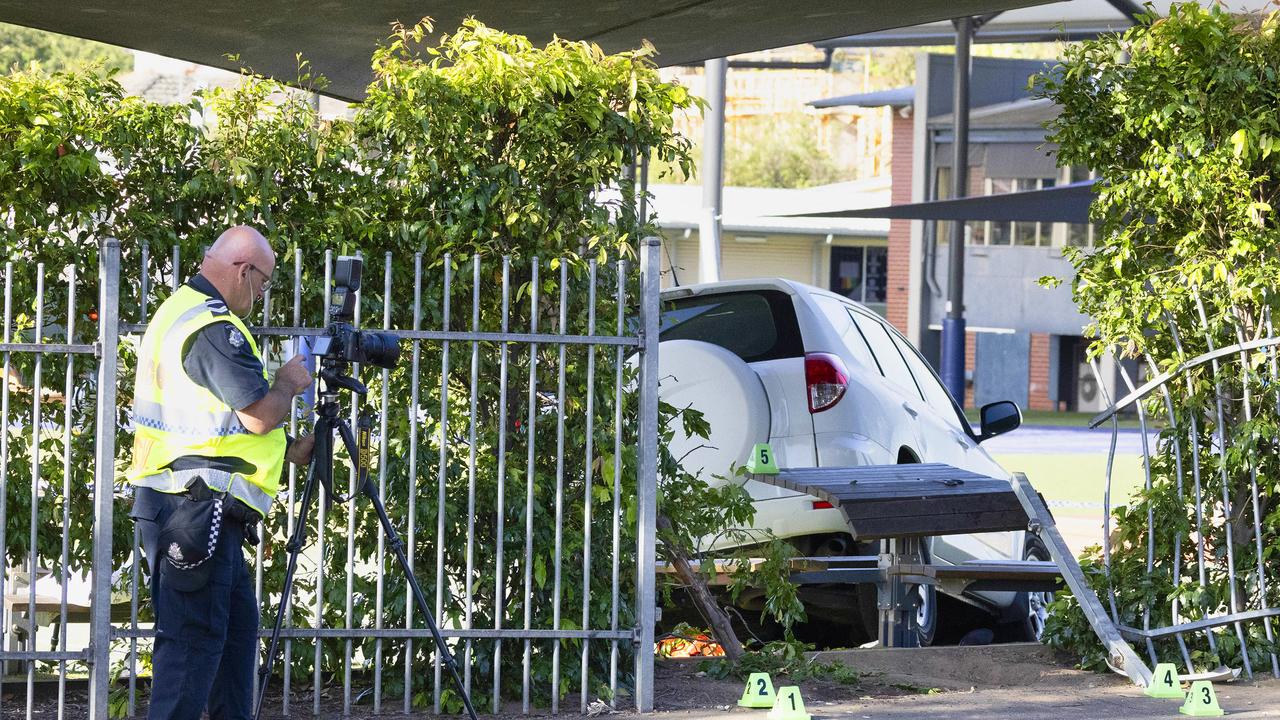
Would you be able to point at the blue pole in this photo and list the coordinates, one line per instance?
(953, 323)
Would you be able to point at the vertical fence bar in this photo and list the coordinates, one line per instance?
(259, 550)
(1151, 536)
(68, 387)
(1221, 431)
(588, 475)
(444, 471)
(321, 520)
(616, 519)
(135, 572)
(1194, 434)
(293, 480)
(500, 569)
(382, 489)
(349, 608)
(4, 455)
(647, 476)
(1175, 613)
(471, 469)
(413, 477)
(1247, 400)
(144, 287)
(531, 434)
(176, 278)
(1106, 492)
(104, 479)
(559, 529)
(37, 389)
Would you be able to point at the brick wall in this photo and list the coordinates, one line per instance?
(899, 271)
(970, 362)
(1038, 376)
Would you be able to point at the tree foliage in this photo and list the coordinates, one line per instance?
(20, 46)
(1180, 117)
(472, 143)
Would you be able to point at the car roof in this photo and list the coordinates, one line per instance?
(790, 287)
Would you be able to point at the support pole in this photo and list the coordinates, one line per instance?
(953, 331)
(647, 474)
(104, 478)
(712, 172)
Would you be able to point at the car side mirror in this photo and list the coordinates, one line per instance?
(998, 418)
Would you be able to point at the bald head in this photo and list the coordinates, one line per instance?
(239, 264)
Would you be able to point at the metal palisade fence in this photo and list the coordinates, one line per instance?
(517, 451)
(1193, 586)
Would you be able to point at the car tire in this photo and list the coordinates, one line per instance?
(1031, 608)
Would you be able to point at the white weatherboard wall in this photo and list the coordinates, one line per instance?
(803, 258)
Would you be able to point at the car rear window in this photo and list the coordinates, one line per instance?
(755, 325)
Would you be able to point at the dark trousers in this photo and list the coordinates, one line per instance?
(206, 647)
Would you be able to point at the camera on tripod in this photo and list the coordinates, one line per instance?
(340, 346)
(342, 342)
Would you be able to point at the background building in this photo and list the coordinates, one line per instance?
(1025, 340)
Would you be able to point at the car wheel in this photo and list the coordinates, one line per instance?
(1032, 608)
(926, 599)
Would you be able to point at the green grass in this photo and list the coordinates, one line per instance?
(1078, 477)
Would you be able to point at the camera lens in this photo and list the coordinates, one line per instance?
(380, 349)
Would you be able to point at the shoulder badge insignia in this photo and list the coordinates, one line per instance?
(235, 337)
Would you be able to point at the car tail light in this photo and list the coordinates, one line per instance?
(822, 505)
(827, 379)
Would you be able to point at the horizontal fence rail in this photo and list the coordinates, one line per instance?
(516, 454)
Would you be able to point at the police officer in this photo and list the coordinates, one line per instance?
(207, 458)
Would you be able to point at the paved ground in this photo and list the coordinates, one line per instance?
(1037, 439)
(1027, 682)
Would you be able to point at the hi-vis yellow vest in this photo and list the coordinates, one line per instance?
(174, 417)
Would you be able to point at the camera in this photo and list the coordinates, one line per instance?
(342, 342)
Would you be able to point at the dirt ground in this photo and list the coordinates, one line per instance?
(1023, 681)
(1027, 682)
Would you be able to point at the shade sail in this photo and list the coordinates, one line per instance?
(338, 37)
(1065, 203)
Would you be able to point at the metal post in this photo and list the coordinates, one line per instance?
(647, 476)
(1119, 655)
(104, 478)
(953, 323)
(712, 172)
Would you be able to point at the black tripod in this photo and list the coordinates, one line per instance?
(327, 421)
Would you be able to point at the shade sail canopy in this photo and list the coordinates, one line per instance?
(338, 37)
(1065, 203)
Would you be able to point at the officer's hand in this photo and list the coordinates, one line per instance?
(300, 450)
(293, 376)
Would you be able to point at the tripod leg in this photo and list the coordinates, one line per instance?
(294, 547)
(397, 547)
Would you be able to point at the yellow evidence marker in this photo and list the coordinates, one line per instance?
(789, 705)
(762, 461)
(1201, 701)
(758, 693)
(1165, 683)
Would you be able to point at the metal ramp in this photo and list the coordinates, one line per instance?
(901, 504)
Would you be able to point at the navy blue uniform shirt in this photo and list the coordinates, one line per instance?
(219, 359)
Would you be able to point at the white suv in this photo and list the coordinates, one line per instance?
(827, 383)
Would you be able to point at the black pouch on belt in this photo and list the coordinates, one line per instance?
(187, 542)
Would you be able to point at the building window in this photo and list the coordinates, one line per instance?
(1030, 234)
(860, 273)
(975, 232)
